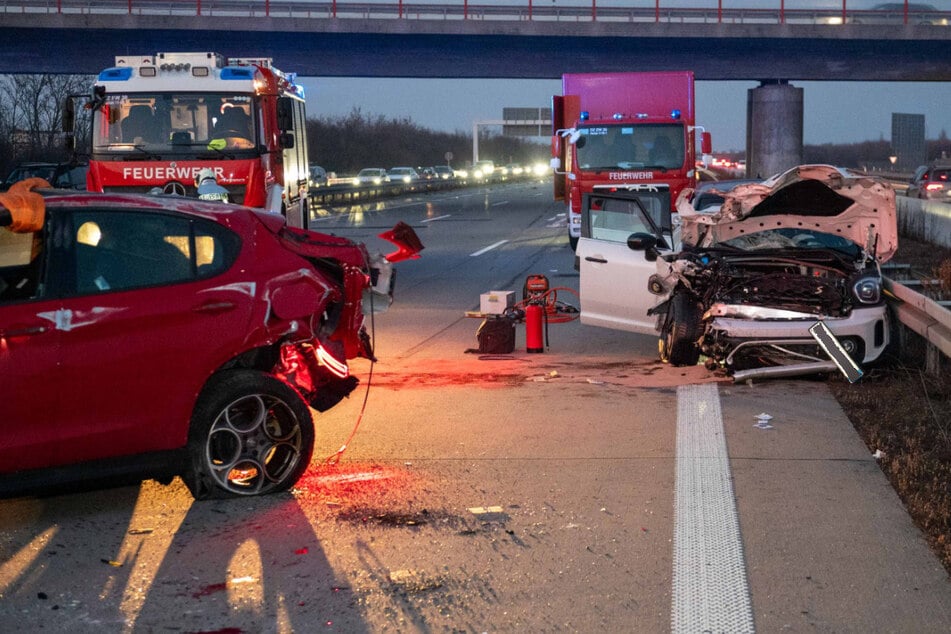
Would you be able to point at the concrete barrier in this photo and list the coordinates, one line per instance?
(924, 220)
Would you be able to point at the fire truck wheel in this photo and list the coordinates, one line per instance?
(251, 434)
(681, 329)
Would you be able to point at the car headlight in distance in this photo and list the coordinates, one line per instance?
(356, 181)
(868, 290)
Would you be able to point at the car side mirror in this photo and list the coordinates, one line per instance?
(647, 243)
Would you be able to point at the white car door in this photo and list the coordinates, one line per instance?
(613, 276)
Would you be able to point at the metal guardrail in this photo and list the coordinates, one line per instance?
(348, 193)
(567, 10)
(925, 317)
(928, 222)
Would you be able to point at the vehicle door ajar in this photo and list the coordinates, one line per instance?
(613, 285)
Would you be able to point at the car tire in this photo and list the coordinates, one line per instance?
(250, 434)
(681, 329)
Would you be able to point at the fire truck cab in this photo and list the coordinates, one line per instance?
(623, 131)
(157, 120)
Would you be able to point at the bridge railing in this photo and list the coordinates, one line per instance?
(645, 11)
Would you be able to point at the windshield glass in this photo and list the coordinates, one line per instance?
(141, 125)
(626, 146)
(790, 238)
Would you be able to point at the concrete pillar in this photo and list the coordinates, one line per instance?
(773, 129)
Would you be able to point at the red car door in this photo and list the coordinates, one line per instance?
(156, 311)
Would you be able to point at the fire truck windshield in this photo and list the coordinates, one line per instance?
(630, 146)
(140, 125)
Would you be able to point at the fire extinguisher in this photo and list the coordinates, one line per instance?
(534, 314)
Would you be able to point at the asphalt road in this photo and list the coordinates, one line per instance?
(585, 489)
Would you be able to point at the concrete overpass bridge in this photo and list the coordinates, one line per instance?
(772, 41)
(778, 39)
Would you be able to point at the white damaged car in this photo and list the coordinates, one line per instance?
(742, 285)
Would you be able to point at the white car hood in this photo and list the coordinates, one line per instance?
(817, 197)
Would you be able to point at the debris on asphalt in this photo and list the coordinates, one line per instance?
(762, 421)
(414, 581)
(484, 510)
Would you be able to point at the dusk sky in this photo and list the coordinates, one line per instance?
(835, 112)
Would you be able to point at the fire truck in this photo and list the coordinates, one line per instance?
(157, 120)
(615, 131)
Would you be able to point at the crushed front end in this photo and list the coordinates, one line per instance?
(774, 260)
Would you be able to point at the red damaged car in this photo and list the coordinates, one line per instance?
(160, 336)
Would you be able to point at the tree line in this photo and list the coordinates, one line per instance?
(32, 108)
(347, 144)
(31, 129)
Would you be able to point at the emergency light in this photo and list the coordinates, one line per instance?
(584, 115)
(675, 114)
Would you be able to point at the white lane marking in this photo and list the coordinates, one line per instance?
(710, 589)
(436, 218)
(503, 202)
(488, 248)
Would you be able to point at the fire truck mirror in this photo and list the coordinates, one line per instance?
(706, 143)
(285, 114)
(287, 140)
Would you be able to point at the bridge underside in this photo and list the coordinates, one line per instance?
(460, 50)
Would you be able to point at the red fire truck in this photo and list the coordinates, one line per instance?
(617, 131)
(159, 119)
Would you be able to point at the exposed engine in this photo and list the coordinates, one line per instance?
(815, 282)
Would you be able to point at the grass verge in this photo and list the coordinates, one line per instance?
(905, 413)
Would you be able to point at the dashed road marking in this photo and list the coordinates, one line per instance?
(488, 248)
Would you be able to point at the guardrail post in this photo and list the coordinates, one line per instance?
(782, 11)
(529, 10)
(657, 11)
(594, 11)
(401, 9)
